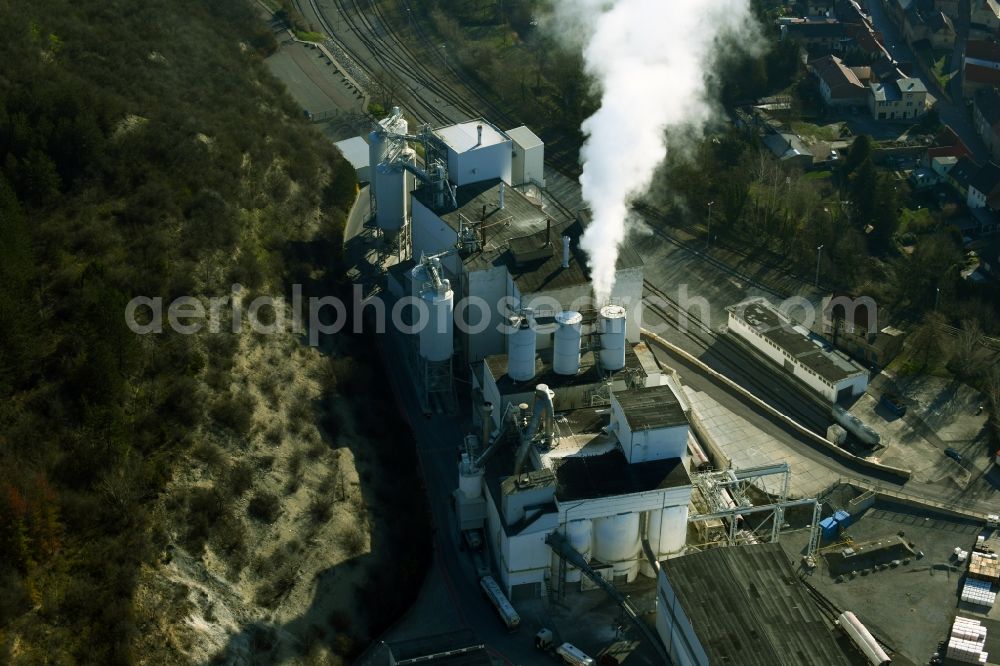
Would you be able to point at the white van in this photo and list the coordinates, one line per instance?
(574, 655)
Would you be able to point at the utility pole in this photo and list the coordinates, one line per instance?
(819, 253)
(709, 243)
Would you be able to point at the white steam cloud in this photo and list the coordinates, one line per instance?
(652, 61)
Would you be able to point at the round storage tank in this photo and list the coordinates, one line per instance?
(666, 529)
(566, 355)
(438, 335)
(580, 535)
(612, 337)
(616, 538)
(521, 349)
(390, 196)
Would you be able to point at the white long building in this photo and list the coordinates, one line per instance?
(829, 373)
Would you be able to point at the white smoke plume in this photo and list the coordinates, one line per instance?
(652, 61)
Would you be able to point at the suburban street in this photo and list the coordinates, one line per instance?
(952, 113)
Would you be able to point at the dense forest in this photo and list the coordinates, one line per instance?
(144, 150)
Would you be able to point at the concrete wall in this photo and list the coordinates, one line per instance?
(479, 164)
(431, 235)
(675, 629)
(648, 444)
(528, 165)
(493, 286)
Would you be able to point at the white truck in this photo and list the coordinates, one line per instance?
(500, 602)
(567, 652)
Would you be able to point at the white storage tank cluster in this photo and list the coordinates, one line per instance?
(390, 196)
(437, 336)
(616, 542)
(389, 180)
(521, 347)
(566, 354)
(612, 330)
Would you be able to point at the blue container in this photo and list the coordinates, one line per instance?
(843, 518)
(829, 527)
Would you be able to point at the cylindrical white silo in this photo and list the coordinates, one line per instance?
(437, 337)
(390, 196)
(521, 349)
(616, 538)
(566, 355)
(666, 529)
(612, 337)
(580, 535)
(470, 483)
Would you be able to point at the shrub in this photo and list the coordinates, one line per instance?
(264, 506)
(235, 413)
(240, 477)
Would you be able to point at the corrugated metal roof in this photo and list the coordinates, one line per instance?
(651, 407)
(748, 607)
(611, 474)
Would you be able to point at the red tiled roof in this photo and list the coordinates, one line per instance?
(979, 74)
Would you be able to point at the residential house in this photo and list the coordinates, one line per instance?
(961, 174)
(817, 7)
(789, 150)
(860, 328)
(946, 144)
(986, 115)
(900, 99)
(816, 35)
(986, 15)
(984, 187)
(838, 84)
(980, 66)
(934, 27)
(985, 222)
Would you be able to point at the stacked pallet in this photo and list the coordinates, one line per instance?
(985, 566)
(968, 637)
(979, 592)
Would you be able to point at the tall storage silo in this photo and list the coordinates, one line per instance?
(580, 535)
(666, 529)
(566, 355)
(612, 329)
(521, 348)
(434, 290)
(616, 538)
(390, 196)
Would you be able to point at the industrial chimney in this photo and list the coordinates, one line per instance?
(479, 135)
(565, 261)
(502, 187)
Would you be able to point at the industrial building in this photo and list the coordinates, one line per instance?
(741, 605)
(584, 466)
(829, 373)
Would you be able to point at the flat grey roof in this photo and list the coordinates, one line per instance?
(651, 407)
(609, 474)
(524, 137)
(465, 136)
(748, 607)
(520, 236)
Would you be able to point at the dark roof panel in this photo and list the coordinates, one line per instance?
(587, 477)
(748, 607)
(650, 408)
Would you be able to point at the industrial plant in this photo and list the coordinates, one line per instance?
(584, 464)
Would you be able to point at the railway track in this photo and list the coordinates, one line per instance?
(734, 359)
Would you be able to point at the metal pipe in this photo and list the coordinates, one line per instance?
(565, 261)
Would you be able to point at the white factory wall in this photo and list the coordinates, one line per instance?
(528, 165)
(520, 558)
(602, 507)
(647, 444)
(478, 164)
(497, 538)
(430, 235)
(675, 629)
(492, 285)
(828, 390)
